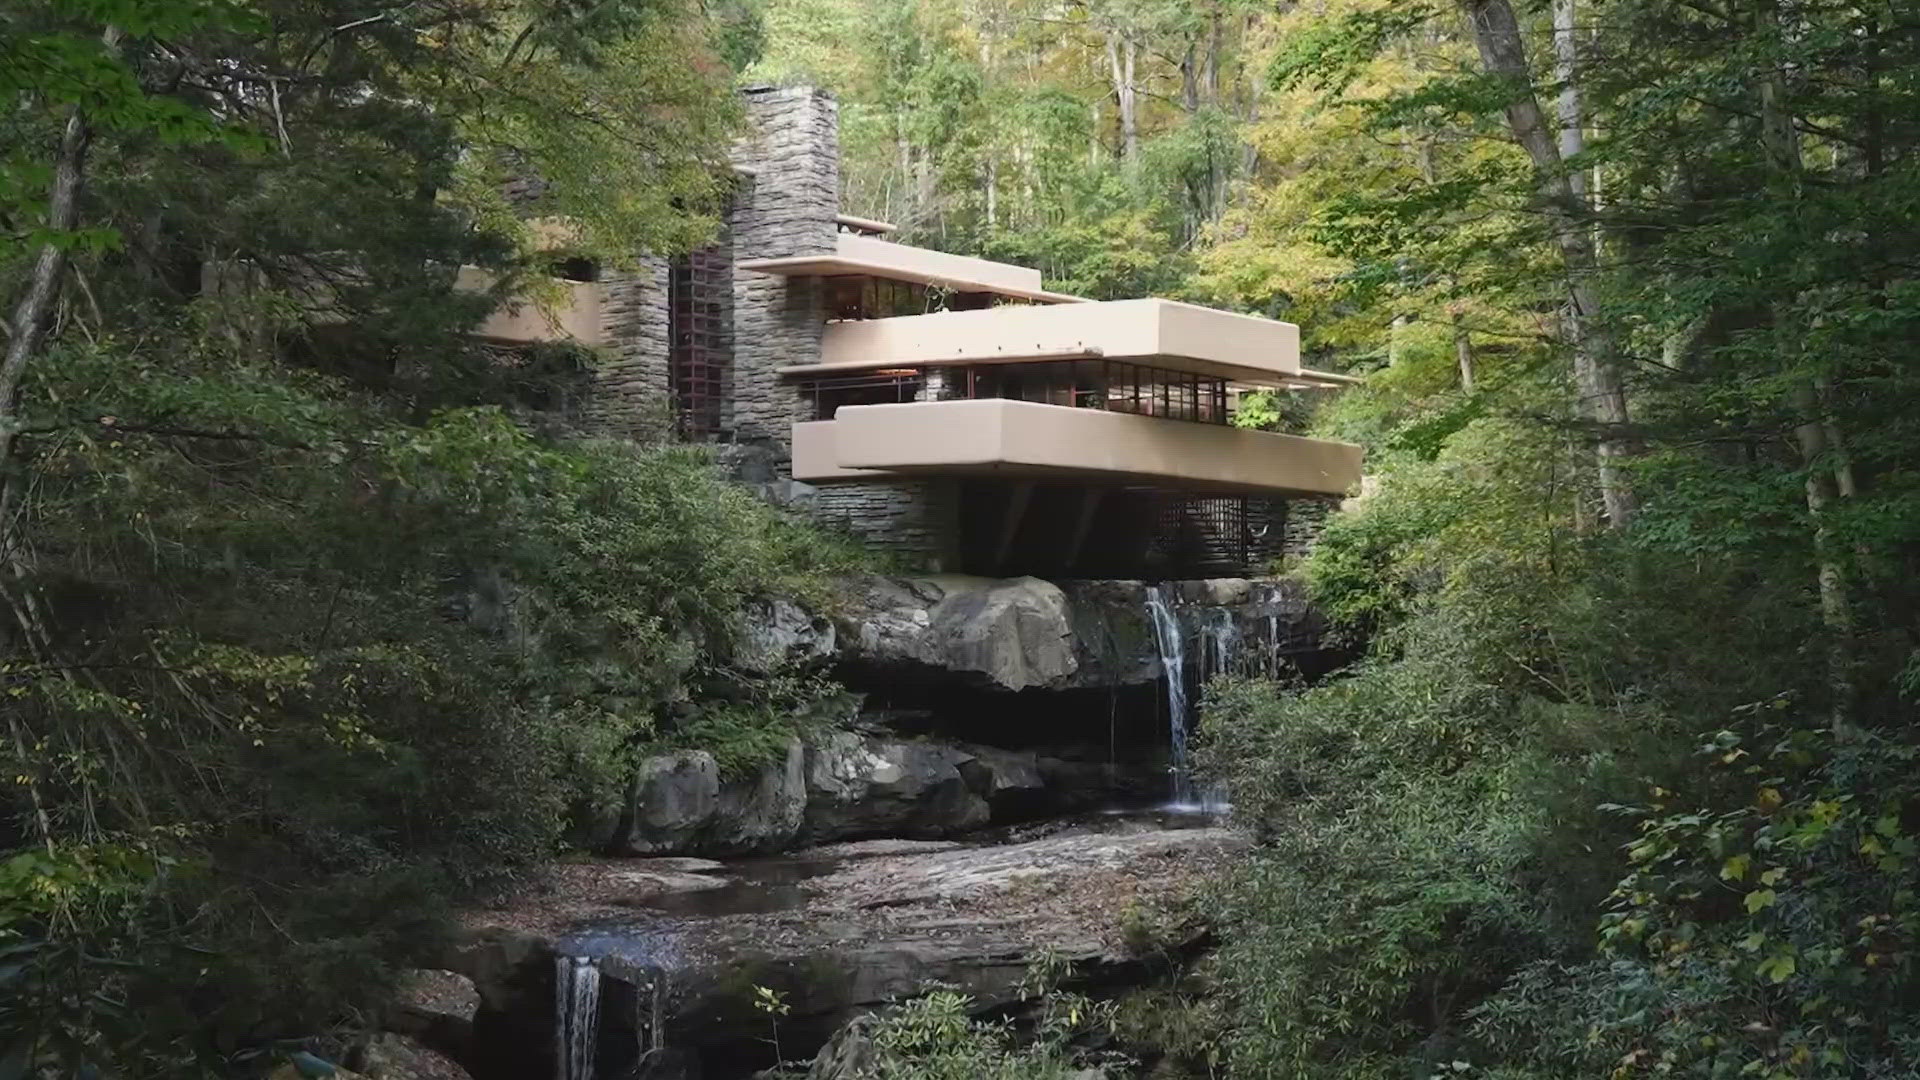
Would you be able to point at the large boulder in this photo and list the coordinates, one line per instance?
(1007, 634)
(837, 786)
(389, 1056)
(861, 786)
(850, 1054)
(683, 804)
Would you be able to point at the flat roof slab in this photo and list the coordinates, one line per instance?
(1164, 333)
(1027, 439)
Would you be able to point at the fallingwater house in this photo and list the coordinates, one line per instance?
(947, 408)
(953, 411)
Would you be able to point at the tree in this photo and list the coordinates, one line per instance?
(292, 561)
(1597, 363)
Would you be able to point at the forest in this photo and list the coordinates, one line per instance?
(323, 624)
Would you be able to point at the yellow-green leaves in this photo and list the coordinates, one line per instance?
(1778, 968)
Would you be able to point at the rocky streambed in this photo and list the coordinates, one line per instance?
(951, 834)
(683, 946)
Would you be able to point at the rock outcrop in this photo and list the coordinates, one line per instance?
(885, 920)
(683, 803)
(842, 785)
(389, 1056)
(777, 633)
(850, 1054)
(1017, 634)
(1011, 634)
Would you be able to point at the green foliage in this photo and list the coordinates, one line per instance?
(1428, 820)
(387, 661)
(1765, 927)
(1400, 875)
(1328, 55)
(936, 1037)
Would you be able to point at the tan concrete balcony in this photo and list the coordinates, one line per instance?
(860, 255)
(1026, 440)
(1159, 333)
(574, 318)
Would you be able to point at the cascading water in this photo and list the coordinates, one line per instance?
(1218, 646)
(1223, 640)
(576, 1004)
(1170, 640)
(651, 1018)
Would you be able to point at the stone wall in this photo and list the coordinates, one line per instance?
(917, 520)
(630, 396)
(1306, 520)
(785, 206)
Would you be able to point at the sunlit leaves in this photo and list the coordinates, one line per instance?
(1327, 54)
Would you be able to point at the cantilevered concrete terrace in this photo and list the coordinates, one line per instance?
(1024, 440)
(1163, 333)
(858, 255)
(1129, 392)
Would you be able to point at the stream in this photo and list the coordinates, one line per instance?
(845, 930)
(675, 968)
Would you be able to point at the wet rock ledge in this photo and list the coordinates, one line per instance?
(846, 785)
(1019, 634)
(682, 943)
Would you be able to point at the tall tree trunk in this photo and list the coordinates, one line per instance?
(1216, 36)
(1596, 361)
(1190, 78)
(993, 189)
(1121, 53)
(1566, 71)
(1816, 434)
(28, 331)
(29, 326)
(1836, 607)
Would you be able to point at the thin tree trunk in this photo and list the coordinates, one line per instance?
(1463, 351)
(993, 190)
(991, 149)
(1215, 38)
(1120, 63)
(1190, 79)
(1596, 362)
(1566, 71)
(1816, 433)
(1836, 607)
(29, 327)
(27, 333)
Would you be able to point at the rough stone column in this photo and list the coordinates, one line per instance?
(785, 206)
(630, 396)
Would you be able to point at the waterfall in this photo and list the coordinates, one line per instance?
(1167, 635)
(1218, 644)
(651, 1015)
(1223, 635)
(576, 1005)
